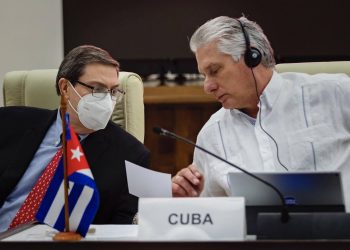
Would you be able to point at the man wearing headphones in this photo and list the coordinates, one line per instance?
(269, 121)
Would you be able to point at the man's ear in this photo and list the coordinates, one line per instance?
(63, 85)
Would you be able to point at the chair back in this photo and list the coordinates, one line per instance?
(36, 88)
(315, 67)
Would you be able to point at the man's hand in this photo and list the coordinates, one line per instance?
(188, 182)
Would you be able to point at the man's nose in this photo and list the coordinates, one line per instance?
(210, 86)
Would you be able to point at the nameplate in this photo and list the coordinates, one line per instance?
(190, 219)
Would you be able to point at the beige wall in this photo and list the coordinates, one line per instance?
(31, 35)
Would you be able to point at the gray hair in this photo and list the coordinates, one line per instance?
(228, 33)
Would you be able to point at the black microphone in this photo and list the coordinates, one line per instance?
(284, 212)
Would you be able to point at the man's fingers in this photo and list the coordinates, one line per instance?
(195, 171)
(188, 182)
(185, 185)
(178, 191)
(199, 176)
(188, 174)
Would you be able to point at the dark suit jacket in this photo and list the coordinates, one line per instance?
(22, 131)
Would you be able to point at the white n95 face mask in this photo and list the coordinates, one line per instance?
(94, 113)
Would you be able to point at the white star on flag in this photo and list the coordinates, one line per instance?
(76, 153)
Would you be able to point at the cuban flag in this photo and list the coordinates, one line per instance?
(83, 197)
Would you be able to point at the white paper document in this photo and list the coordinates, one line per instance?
(147, 183)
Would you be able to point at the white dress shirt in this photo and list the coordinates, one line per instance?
(307, 115)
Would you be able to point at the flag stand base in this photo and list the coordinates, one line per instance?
(67, 236)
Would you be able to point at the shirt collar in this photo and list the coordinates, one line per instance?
(58, 129)
(268, 96)
(271, 92)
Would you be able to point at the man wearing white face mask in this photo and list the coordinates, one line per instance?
(95, 109)
(88, 80)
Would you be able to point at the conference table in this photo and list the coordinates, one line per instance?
(177, 245)
(129, 241)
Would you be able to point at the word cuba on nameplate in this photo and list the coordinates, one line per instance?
(192, 219)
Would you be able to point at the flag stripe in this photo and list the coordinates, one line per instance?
(86, 172)
(82, 180)
(51, 192)
(73, 200)
(80, 207)
(56, 207)
(60, 222)
(88, 216)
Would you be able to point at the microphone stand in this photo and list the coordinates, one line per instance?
(284, 212)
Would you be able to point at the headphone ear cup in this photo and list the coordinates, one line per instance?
(252, 57)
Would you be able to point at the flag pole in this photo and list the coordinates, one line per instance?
(65, 178)
(67, 235)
